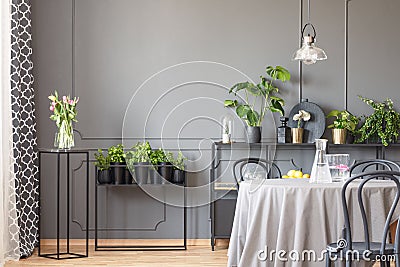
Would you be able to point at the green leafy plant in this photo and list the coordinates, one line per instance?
(116, 153)
(141, 153)
(102, 162)
(263, 92)
(179, 161)
(343, 120)
(383, 124)
(160, 155)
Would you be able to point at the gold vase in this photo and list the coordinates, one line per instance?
(339, 136)
(297, 135)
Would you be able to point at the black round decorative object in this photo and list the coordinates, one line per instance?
(315, 127)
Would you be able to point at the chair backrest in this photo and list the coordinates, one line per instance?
(242, 165)
(379, 164)
(363, 179)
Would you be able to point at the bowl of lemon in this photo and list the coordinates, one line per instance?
(296, 174)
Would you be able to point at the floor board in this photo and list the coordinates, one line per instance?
(194, 256)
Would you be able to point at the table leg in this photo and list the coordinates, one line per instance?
(87, 204)
(58, 206)
(38, 231)
(68, 190)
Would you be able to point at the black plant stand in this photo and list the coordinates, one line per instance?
(67, 254)
(99, 247)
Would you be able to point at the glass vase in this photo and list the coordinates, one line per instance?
(64, 138)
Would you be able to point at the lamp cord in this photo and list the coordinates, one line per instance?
(308, 10)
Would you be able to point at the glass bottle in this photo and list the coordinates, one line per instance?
(227, 128)
(320, 171)
(284, 135)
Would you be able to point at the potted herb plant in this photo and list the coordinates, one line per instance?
(381, 126)
(156, 156)
(165, 168)
(179, 169)
(344, 122)
(258, 99)
(139, 161)
(297, 133)
(117, 161)
(103, 167)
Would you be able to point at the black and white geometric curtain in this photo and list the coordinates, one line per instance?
(24, 124)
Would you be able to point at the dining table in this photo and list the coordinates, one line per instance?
(290, 222)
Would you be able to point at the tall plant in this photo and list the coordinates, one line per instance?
(251, 110)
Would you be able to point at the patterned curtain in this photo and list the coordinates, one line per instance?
(24, 124)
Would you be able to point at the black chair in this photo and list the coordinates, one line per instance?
(271, 170)
(382, 164)
(346, 248)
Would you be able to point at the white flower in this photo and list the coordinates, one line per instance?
(297, 117)
(302, 115)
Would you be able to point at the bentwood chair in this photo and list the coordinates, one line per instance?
(373, 164)
(252, 166)
(346, 248)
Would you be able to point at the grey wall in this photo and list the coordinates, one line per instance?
(103, 51)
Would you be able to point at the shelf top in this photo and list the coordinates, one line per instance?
(136, 185)
(63, 151)
(244, 144)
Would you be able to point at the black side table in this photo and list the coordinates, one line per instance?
(67, 152)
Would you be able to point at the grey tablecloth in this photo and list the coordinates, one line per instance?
(293, 215)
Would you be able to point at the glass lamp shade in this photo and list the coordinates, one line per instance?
(309, 53)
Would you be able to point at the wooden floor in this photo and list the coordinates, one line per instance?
(195, 256)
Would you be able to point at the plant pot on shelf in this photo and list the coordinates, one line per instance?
(339, 136)
(118, 172)
(179, 176)
(104, 176)
(253, 134)
(128, 176)
(165, 170)
(141, 172)
(154, 177)
(297, 135)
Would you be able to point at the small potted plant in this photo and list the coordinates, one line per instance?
(344, 122)
(139, 161)
(179, 169)
(156, 156)
(103, 167)
(165, 168)
(257, 100)
(381, 126)
(297, 133)
(117, 161)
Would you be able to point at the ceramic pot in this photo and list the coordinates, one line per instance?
(253, 134)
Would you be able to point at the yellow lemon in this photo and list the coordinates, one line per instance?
(298, 174)
(285, 176)
(306, 175)
(291, 173)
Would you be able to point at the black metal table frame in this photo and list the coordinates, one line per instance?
(98, 247)
(66, 152)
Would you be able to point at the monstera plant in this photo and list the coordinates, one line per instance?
(258, 99)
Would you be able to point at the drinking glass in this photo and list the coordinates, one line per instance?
(338, 166)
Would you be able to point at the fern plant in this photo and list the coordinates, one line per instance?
(383, 124)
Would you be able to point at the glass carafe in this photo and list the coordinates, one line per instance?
(320, 171)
